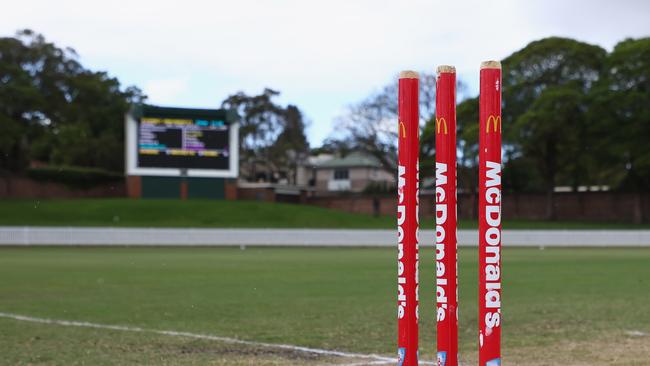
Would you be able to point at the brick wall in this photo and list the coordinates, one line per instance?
(582, 206)
(256, 194)
(22, 187)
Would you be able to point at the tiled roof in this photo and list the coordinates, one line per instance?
(355, 159)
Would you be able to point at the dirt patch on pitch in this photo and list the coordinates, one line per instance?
(241, 350)
(238, 354)
(623, 348)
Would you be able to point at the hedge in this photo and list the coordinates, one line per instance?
(75, 177)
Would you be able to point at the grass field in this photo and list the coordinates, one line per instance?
(205, 213)
(561, 306)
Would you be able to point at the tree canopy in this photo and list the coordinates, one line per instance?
(54, 110)
(272, 137)
(574, 115)
(369, 125)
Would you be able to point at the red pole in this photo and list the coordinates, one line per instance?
(489, 208)
(407, 219)
(446, 257)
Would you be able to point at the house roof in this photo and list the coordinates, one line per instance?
(354, 159)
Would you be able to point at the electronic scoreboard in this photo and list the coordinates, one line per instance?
(179, 141)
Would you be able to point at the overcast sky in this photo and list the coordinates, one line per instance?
(320, 54)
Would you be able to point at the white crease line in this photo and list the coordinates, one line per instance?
(636, 333)
(382, 362)
(72, 323)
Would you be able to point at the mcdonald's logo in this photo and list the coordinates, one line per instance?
(441, 123)
(496, 121)
(401, 129)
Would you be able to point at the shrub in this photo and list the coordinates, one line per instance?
(74, 177)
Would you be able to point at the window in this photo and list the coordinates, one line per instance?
(341, 174)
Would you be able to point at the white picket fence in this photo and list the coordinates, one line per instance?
(14, 235)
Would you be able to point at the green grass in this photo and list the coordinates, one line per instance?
(321, 297)
(206, 213)
(176, 213)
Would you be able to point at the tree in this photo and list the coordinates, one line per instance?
(259, 126)
(549, 132)
(334, 145)
(519, 173)
(621, 118)
(54, 110)
(291, 147)
(271, 136)
(369, 125)
(547, 63)
(535, 81)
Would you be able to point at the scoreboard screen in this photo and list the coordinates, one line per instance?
(183, 143)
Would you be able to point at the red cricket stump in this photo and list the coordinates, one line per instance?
(407, 219)
(489, 211)
(446, 244)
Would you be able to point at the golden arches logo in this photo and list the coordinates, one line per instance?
(401, 129)
(441, 124)
(493, 120)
